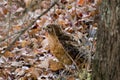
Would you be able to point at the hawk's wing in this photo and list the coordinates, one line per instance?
(72, 47)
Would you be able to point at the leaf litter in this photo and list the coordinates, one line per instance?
(29, 58)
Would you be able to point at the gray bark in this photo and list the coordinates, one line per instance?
(106, 65)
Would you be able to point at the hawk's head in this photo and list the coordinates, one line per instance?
(53, 29)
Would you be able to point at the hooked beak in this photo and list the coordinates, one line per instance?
(45, 28)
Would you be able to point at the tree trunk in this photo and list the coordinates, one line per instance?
(106, 65)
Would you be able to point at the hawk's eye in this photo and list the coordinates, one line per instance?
(48, 26)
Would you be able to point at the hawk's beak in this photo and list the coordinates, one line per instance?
(45, 28)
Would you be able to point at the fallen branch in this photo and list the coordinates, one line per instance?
(23, 31)
(13, 34)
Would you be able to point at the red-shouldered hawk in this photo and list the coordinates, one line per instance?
(63, 46)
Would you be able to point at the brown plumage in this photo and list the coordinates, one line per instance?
(62, 45)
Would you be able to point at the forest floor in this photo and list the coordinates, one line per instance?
(24, 50)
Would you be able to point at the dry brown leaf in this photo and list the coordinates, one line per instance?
(16, 28)
(44, 63)
(81, 2)
(69, 29)
(71, 78)
(59, 11)
(5, 11)
(25, 43)
(45, 44)
(42, 21)
(69, 7)
(28, 3)
(34, 73)
(3, 73)
(8, 54)
(35, 51)
(23, 78)
(98, 2)
(64, 1)
(95, 25)
(32, 32)
(92, 13)
(61, 22)
(54, 66)
(45, 4)
(20, 9)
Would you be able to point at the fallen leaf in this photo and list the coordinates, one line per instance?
(8, 54)
(5, 11)
(81, 2)
(71, 78)
(45, 63)
(28, 3)
(54, 66)
(45, 44)
(69, 29)
(33, 73)
(24, 43)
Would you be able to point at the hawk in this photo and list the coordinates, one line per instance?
(63, 46)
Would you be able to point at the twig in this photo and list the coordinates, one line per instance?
(73, 61)
(10, 36)
(32, 4)
(22, 32)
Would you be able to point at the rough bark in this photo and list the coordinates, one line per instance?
(106, 65)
